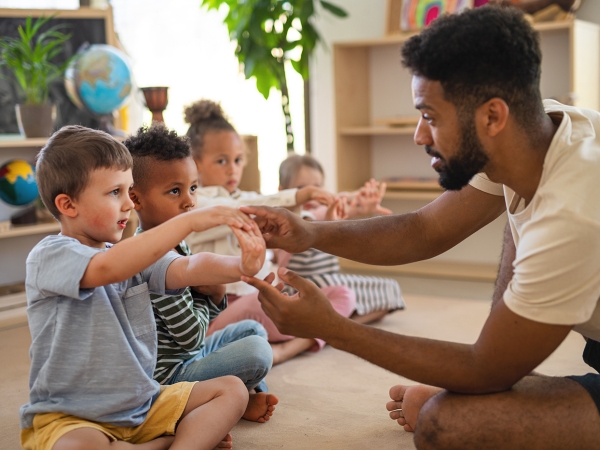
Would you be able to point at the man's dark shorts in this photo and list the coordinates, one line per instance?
(591, 381)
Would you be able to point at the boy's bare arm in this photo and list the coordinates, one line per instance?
(208, 268)
(135, 254)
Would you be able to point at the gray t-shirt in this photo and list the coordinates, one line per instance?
(93, 351)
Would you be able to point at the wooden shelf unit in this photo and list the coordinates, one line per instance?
(370, 84)
(14, 141)
(431, 268)
(28, 230)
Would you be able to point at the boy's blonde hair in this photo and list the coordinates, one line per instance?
(71, 154)
(290, 167)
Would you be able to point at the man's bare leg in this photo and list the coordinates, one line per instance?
(282, 351)
(537, 413)
(260, 407)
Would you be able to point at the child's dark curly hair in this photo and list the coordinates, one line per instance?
(480, 54)
(204, 116)
(155, 143)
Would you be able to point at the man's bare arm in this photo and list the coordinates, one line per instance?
(411, 237)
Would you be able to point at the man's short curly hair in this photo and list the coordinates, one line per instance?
(155, 143)
(478, 55)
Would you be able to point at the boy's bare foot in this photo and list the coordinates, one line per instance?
(260, 407)
(410, 399)
(227, 442)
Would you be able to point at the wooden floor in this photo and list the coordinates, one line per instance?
(330, 400)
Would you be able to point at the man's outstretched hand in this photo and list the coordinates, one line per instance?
(306, 314)
(282, 228)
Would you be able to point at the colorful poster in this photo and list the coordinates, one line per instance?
(417, 14)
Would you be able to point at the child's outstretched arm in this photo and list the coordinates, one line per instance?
(209, 268)
(318, 194)
(135, 254)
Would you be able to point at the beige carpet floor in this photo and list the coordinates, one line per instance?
(330, 400)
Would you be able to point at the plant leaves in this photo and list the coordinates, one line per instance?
(334, 9)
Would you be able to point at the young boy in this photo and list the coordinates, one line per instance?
(164, 186)
(93, 346)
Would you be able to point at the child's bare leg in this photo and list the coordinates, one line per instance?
(93, 439)
(260, 407)
(282, 351)
(374, 316)
(214, 407)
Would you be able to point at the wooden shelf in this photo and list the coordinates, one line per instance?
(17, 141)
(27, 230)
(401, 38)
(430, 269)
(376, 130)
(412, 195)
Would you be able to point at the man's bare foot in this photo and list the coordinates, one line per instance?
(410, 399)
(227, 442)
(260, 407)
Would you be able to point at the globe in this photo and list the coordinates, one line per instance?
(99, 79)
(17, 183)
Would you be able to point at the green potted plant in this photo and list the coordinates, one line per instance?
(269, 33)
(29, 57)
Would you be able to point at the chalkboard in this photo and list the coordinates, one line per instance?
(84, 26)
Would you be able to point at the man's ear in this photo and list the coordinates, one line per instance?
(65, 205)
(135, 196)
(493, 116)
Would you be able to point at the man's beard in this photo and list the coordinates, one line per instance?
(470, 160)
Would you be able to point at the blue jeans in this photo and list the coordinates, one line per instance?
(239, 349)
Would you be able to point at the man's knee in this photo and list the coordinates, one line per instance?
(434, 425)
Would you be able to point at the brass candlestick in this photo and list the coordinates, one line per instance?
(156, 101)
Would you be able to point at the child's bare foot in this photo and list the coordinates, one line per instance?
(283, 351)
(227, 442)
(260, 407)
(410, 399)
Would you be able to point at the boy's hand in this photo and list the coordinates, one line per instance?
(216, 292)
(204, 218)
(253, 249)
(317, 194)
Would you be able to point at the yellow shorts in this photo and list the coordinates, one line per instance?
(161, 420)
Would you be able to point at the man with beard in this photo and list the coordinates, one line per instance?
(476, 84)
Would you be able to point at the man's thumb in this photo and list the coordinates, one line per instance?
(292, 278)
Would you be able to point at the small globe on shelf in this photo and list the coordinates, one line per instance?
(17, 183)
(99, 80)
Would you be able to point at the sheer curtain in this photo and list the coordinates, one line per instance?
(180, 45)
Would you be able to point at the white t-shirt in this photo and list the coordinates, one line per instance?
(557, 235)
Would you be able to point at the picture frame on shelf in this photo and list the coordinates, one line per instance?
(404, 16)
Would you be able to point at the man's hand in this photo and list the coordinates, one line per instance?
(307, 314)
(216, 292)
(205, 218)
(253, 249)
(281, 228)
